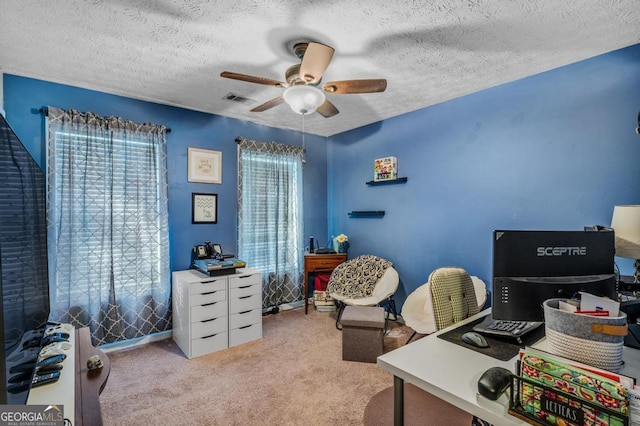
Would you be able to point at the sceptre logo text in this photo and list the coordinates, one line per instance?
(562, 251)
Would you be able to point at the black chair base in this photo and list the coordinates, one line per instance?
(411, 337)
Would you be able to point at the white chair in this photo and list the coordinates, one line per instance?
(449, 295)
(366, 280)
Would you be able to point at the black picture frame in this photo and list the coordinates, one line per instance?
(204, 208)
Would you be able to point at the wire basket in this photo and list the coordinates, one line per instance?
(538, 404)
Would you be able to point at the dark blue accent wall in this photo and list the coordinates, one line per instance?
(553, 151)
(24, 96)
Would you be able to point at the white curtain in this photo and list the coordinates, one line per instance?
(108, 225)
(270, 219)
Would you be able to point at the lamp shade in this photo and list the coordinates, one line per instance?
(626, 225)
(304, 99)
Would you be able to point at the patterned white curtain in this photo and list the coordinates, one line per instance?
(108, 225)
(270, 220)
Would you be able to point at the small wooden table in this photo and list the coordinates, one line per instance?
(319, 263)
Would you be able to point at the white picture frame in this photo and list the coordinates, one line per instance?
(205, 166)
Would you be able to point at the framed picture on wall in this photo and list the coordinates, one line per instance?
(204, 208)
(204, 166)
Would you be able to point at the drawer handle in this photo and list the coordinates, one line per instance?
(244, 312)
(209, 304)
(209, 320)
(246, 326)
(245, 297)
(244, 276)
(209, 292)
(210, 336)
(208, 282)
(246, 286)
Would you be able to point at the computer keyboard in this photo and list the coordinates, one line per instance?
(504, 328)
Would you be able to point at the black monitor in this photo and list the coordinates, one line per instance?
(530, 267)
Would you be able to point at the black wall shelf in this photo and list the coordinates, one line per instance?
(367, 213)
(386, 182)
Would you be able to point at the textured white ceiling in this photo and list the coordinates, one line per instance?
(430, 51)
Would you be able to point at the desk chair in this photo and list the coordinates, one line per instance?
(449, 295)
(366, 280)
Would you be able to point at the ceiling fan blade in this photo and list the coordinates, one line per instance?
(315, 61)
(373, 85)
(269, 104)
(327, 109)
(252, 79)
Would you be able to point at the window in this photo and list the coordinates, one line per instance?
(108, 225)
(270, 220)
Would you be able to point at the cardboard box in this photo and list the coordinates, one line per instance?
(385, 169)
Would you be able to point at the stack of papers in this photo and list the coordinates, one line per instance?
(591, 305)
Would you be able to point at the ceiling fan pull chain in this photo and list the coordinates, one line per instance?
(304, 146)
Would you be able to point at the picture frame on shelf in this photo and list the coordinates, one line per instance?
(204, 208)
(385, 169)
(204, 166)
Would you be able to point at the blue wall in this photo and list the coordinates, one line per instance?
(553, 151)
(24, 96)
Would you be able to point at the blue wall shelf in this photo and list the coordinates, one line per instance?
(386, 182)
(367, 213)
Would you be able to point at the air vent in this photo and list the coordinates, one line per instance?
(237, 98)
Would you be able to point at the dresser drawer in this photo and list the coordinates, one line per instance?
(243, 318)
(209, 311)
(204, 345)
(245, 290)
(314, 262)
(245, 303)
(208, 286)
(245, 334)
(208, 327)
(245, 280)
(207, 298)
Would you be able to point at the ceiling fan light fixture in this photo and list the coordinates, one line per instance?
(304, 99)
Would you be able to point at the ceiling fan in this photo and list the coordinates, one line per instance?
(303, 93)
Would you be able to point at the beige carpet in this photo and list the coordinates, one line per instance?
(294, 375)
(420, 409)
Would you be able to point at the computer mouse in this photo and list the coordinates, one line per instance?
(475, 339)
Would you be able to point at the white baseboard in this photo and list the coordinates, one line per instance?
(292, 305)
(134, 343)
(286, 306)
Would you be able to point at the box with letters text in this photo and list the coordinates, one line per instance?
(550, 390)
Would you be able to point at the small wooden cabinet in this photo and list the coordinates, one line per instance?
(214, 313)
(319, 263)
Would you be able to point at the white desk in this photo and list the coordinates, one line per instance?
(451, 372)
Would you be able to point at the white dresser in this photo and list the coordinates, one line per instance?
(214, 313)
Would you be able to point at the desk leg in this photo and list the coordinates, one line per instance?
(306, 291)
(398, 401)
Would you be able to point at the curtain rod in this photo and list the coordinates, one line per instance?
(45, 111)
(240, 138)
